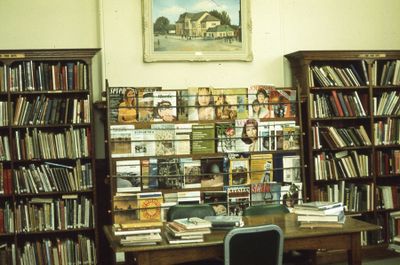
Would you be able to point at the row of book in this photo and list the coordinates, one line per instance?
(46, 110)
(4, 119)
(148, 104)
(51, 177)
(388, 197)
(230, 201)
(42, 144)
(387, 104)
(49, 214)
(355, 197)
(339, 137)
(4, 148)
(387, 162)
(141, 233)
(348, 76)
(320, 214)
(43, 76)
(6, 218)
(135, 175)
(60, 251)
(341, 165)
(337, 104)
(387, 132)
(6, 182)
(182, 139)
(389, 73)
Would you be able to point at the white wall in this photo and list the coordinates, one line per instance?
(279, 27)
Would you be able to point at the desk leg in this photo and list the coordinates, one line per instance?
(354, 254)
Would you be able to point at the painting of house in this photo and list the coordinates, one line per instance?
(195, 24)
(221, 31)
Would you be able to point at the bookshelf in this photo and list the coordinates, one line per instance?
(351, 112)
(186, 146)
(47, 176)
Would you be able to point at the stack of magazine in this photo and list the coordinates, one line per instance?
(320, 214)
(187, 230)
(139, 233)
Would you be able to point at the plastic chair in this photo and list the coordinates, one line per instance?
(254, 245)
(302, 257)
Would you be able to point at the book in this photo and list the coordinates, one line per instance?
(193, 223)
(230, 104)
(141, 239)
(265, 193)
(118, 231)
(239, 171)
(170, 174)
(164, 138)
(320, 225)
(226, 139)
(191, 173)
(321, 218)
(291, 168)
(150, 205)
(177, 230)
(144, 144)
(122, 104)
(261, 168)
(320, 205)
(182, 138)
(238, 198)
(177, 240)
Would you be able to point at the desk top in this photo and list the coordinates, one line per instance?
(287, 222)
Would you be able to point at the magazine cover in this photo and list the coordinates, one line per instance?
(165, 106)
(144, 144)
(239, 171)
(191, 173)
(291, 169)
(183, 105)
(121, 137)
(226, 137)
(170, 174)
(122, 104)
(125, 208)
(128, 175)
(238, 198)
(183, 131)
(218, 200)
(212, 170)
(230, 103)
(261, 168)
(201, 104)
(283, 102)
(259, 101)
(164, 139)
(265, 193)
(146, 103)
(246, 132)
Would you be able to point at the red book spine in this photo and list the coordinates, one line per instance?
(1, 221)
(337, 103)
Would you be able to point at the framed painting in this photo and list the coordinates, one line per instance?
(196, 30)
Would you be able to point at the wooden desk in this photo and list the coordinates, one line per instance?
(347, 238)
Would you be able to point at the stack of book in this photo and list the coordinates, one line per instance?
(187, 230)
(139, 233)
(320, 214)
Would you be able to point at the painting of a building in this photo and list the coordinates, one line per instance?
(221, 31)
(195, 24)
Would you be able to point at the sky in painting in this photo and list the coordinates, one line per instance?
(171, 9)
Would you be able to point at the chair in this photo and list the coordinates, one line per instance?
(265, 209)
(254, 245)
(192, 210)
(291, 257)
(189, 210)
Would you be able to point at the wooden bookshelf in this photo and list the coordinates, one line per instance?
(370, 82)
(48, 187)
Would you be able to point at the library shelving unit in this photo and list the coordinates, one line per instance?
(47, 187)
(181, 157)
(351, 113)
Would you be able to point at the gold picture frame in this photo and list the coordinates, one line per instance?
(221, 31)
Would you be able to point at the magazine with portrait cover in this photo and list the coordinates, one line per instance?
(145, 103)
(230, 103)
(165, 105)
(116, 102)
